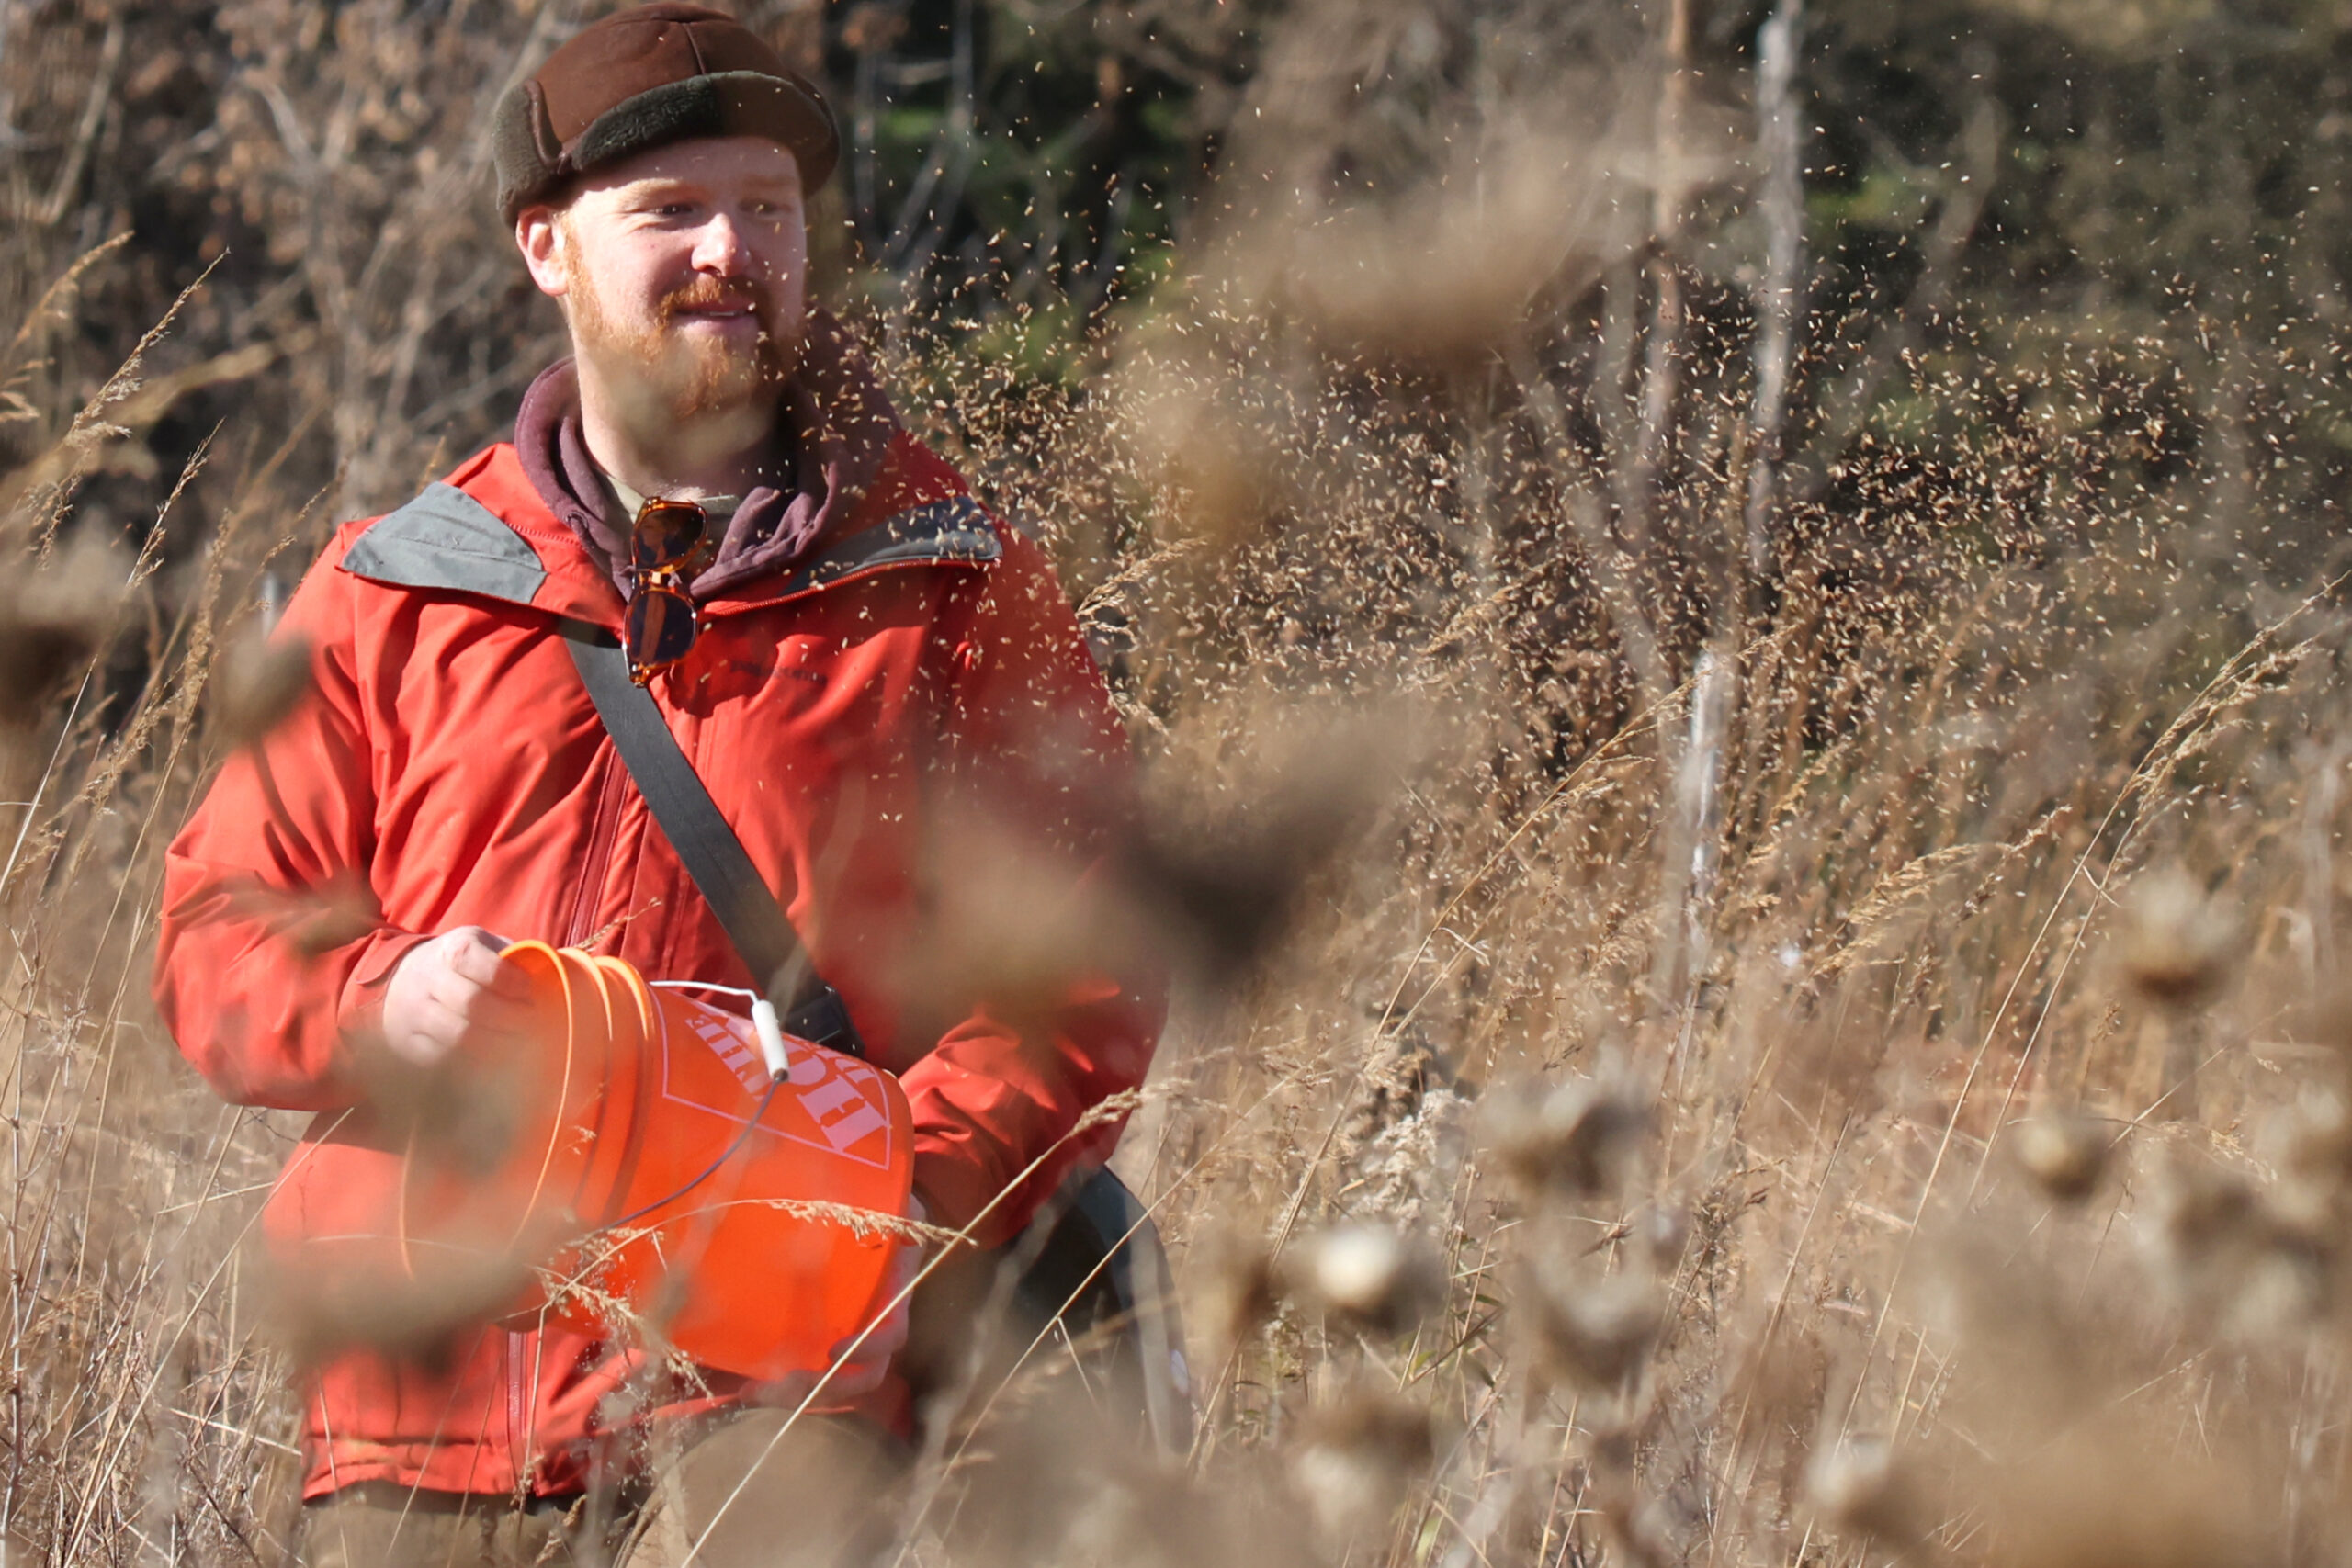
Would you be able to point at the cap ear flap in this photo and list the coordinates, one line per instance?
(524, 146)
(543, 128)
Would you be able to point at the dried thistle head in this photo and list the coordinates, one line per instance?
(1664, 1230)
(2064, 1153)
(1235, 1280)
(1779, 1375)
(1861, 1487)
(2331, 1026)
(2224, 1251)
(1011, 917)
(1357, 1457)
(1225, 875)
(1591, 1330)
(457, 1115)
(2197, 1209)
(1052, 1479)
(1440, 276)
(1577, 1139)
(2103, 1495)
(257, 684)
(2314, 1155)
(1369, 1277)
(334, 914)
(2176, 943)
(51, 620)
(1193, 434)
(419, 1316)
(313, 920)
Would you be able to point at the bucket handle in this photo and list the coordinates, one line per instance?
(764, 1024)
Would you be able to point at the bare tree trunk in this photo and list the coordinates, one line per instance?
(1694, 846)
(1782, 203)
(1655, 436)
(2327, 771)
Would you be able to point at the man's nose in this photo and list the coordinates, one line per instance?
(719, 249)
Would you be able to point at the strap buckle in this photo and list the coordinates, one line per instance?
(824, 1019)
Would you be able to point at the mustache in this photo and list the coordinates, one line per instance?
(715, 294)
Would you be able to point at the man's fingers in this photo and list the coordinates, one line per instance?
(473, 999)
(454, 1009)
(434, 1030)
(493, 1014)
(453, 989)
(473, 955)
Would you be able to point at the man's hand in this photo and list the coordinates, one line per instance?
(451, 991)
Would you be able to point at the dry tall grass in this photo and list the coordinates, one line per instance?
(1733, 1015)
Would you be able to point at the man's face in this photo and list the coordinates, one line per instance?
(683, 271)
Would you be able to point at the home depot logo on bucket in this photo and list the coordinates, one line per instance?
(839, 1093)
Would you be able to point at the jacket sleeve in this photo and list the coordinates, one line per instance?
(272, 951)
(1062, 1014)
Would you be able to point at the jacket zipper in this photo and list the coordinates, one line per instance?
(602, 834)
(601, 839)
(518, 1407)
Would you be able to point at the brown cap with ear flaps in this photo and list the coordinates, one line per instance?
(646, 76)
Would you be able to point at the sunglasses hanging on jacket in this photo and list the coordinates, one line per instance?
(661, 623)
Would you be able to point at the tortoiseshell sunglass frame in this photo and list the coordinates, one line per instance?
(661, 623)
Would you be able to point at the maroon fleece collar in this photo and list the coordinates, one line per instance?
(832, 427)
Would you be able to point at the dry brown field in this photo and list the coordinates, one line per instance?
(1730, 1013)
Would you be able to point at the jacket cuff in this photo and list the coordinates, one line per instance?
(360, 1010)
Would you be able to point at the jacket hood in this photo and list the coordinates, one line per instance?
(833, 426)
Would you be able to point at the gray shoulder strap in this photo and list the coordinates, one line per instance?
(444, 538)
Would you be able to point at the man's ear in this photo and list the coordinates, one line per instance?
(539, 234)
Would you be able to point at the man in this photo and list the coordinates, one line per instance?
(882, 688)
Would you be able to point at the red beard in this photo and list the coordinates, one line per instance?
(692, 374)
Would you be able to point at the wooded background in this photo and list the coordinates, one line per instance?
(2125, 217)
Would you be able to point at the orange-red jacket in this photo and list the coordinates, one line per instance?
(911, 707)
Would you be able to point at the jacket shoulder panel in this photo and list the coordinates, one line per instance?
(953, 531)
(444, 538)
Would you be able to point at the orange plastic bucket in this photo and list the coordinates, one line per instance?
(630, 1094)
